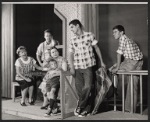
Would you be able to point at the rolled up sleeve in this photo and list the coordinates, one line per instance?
(39, 50)
(71, 48)
(93, 40)
(121, 47)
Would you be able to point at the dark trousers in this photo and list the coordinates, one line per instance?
(83, 84)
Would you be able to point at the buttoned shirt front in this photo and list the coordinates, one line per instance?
(129, 49)
(82, 48)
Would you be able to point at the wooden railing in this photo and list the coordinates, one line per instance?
(131, 73)
(63, 80)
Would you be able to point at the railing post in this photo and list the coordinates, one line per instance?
(62, 95)
(123, 105)
(131, 73)
(115, 86)
(131, 93)
(141, 95)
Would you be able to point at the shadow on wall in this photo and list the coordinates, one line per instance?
(103, 34)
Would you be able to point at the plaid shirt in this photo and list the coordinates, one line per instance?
(129, 49)
(81, 46)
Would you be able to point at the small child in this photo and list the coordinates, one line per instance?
(51, 84)
(46, 59)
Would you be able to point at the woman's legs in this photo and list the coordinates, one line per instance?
(24, 93)
(31, 94)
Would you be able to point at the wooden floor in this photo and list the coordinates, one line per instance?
(35, 113)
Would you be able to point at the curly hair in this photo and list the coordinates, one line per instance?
(20, 48)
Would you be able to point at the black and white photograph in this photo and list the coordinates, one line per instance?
(74, 60)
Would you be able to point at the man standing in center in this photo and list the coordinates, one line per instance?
(82, 59)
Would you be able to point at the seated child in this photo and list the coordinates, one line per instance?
(51, 84)
(46, 61)
(24, 65)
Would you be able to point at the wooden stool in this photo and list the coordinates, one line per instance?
(14, 84)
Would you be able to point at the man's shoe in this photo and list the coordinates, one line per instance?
(83, 114)
(48, 113)
(77, 111)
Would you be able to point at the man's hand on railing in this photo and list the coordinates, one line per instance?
(114, 70)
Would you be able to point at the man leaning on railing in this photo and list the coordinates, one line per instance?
(133, 60)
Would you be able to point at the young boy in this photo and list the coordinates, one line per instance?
(51, 84)
(133, 60)
(24, 65)
(47, 44)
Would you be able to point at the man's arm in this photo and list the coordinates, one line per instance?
(97, 49)
(38, 57)
(71, 59)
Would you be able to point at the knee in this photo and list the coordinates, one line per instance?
(52, 92)
(31, 87)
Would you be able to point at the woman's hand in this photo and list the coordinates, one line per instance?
(28, 79)
(45, 69)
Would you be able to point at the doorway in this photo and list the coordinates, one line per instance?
(30, 22)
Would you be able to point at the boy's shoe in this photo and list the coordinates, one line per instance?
(48, 113)
(83, 114)
(45, 107)
(55, 111)
(77, 111)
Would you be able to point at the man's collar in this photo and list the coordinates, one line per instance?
(123, 37)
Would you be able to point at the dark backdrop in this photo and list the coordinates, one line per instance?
(30, 22)
(134, 17)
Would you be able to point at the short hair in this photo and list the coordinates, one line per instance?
(53, 60)
(20, 48)
(53, 48)
(75, 22)
(120, 28)
(48, 31)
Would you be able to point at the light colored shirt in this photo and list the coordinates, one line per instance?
(44, 46)
(129, 49)
(25, 67)
(83, 51)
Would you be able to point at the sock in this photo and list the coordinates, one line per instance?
(51, 103)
